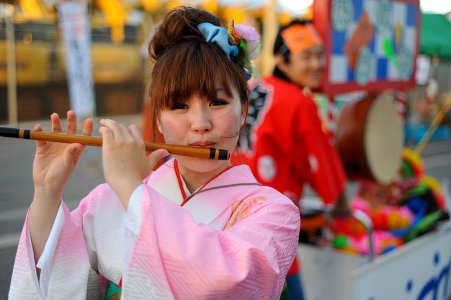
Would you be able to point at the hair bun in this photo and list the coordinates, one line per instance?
(179, 25)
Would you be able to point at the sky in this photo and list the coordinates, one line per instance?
(437, 6)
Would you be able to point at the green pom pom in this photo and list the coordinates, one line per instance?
(340, 242)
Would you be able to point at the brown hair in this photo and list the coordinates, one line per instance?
(185, 64)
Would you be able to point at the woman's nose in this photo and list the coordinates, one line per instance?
(200, 119)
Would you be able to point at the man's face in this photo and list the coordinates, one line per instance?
(305, 68)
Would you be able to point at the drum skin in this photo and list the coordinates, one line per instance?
(369, 139)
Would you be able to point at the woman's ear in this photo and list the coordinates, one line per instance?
(159, 126)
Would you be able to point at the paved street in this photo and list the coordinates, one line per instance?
(16, 187)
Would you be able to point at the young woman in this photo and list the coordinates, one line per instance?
(192, 229)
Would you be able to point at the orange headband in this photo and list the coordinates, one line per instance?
(299, 37)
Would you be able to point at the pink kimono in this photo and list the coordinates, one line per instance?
(233, 239)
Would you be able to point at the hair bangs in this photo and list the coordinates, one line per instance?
(198, 69)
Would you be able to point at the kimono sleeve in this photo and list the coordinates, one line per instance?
(70, 266)
(176, 258)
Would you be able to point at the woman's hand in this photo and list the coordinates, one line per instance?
(54, 162)
(125, 164)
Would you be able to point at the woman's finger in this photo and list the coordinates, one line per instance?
(124, 132)
(38, 127)
(155, 156)
(88, 126)
(71, 126)
(116, 130)
(136, 133)
(56, 122)
(107, 134)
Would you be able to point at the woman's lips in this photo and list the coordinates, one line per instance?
(203, 144)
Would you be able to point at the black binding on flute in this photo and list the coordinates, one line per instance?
(15, 132)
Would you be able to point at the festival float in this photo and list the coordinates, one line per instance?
(397, 244)
(34, 35)
(115, 37)
(115, 45)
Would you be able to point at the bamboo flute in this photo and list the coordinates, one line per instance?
(209, 153)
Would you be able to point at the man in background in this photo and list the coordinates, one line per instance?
(283, 140)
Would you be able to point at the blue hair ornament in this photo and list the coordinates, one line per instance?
(240, 42)
(219, 36)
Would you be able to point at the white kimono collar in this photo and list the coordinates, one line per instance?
(205, 206)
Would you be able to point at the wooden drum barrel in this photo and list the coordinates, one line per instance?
(369, 139)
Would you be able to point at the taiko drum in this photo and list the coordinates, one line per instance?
(369, 139)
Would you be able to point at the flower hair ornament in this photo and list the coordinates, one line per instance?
(239, 41)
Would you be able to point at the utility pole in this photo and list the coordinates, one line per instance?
(6, 15)
(270, 27)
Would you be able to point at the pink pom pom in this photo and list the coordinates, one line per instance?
(247, 32)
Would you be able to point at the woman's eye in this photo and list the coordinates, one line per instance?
(218, 102)
(179, 106)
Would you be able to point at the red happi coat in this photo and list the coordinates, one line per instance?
(284, 144)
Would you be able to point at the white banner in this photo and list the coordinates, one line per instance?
(74, 25)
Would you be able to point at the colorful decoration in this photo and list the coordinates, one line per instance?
(399, 212)
(384, 217)
(240, 43)
(370, 45)
(360, 39)
(248, 41)
(389, 50)
(342, 14)
(383, 242)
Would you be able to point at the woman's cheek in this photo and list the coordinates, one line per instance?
(173, 130)
(232, 125)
